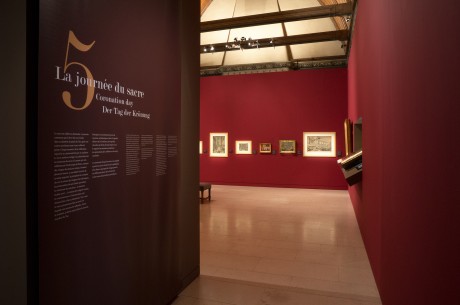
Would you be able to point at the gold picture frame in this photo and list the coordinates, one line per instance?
(347, 125)
(243, 147)
(319, 144)
(265, 148)
(287, 147)
(218, 144)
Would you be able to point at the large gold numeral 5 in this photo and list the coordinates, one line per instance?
(73, 40)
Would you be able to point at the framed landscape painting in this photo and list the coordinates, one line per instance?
(243, 147)
(265, 148)
(319, 144)
(287, 147)
(218, 143)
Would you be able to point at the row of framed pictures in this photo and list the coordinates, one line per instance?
(315, 144)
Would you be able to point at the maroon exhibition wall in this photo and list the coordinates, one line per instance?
(267, 108)
(403, 83)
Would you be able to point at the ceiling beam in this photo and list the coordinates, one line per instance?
(338, 21)
(204, 5)
(341, 35)
(291, 62)
(312, 63)
(278, 17)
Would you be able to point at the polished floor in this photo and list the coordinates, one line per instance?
(273, 246)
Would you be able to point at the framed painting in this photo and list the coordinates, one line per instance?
(348, 138)
(265, 148)
(243, 147)
(319, 144)
(287, 147)
(218, 144)
(201, 147)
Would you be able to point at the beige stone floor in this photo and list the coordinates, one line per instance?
(273, 246)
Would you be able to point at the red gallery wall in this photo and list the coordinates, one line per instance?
(267, 108)
(403, 82)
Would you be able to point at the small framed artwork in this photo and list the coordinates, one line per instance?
(243, 147)
(265, 148)
(287, 146)
(319, 144)
(201, 147)
(218, 144)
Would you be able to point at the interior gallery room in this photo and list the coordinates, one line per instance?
(230, 152)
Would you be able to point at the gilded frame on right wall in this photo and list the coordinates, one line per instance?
(347, 125)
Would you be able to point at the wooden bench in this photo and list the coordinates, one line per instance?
(205, 186)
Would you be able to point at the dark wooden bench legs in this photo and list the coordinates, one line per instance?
(203, 187)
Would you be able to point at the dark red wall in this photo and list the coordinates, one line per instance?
(268, 108)
(403, 82)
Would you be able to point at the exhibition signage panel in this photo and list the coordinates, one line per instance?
(108, 134)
